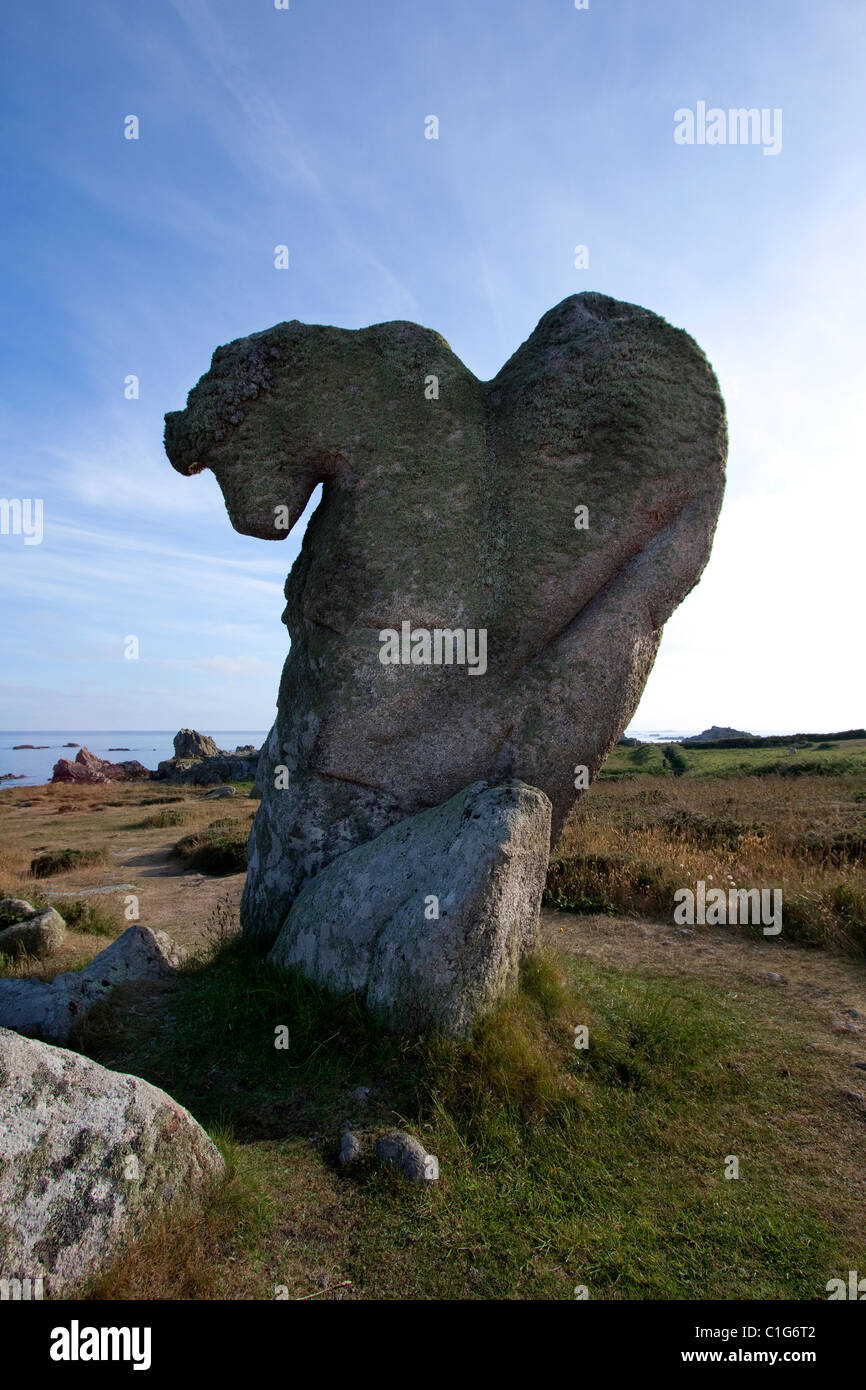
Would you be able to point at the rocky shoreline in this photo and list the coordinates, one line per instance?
(197, 761)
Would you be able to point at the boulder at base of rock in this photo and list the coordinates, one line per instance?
(40, 932)
(429, 922)
(190, 744)
(87, 1157)
(51, 1011)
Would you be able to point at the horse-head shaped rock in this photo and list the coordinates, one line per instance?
(449, 506)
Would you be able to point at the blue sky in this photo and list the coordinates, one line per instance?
(305, 127)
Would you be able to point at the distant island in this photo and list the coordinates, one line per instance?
(716, 732)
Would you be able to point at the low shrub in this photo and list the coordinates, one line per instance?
(62, 861)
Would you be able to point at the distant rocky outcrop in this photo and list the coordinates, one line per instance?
(190, 744)
(716, 732)
(87, 1158)
(199, 764)
(52, 1011)
(87, 767)
(556, 515)
(208, 772)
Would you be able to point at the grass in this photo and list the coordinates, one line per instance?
(161, 820)
(635, 839)
(810, 759)
(216, 849)
(602, 1167)
(91, 916)
(63, 861)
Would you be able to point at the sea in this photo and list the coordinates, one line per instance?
(34, 766)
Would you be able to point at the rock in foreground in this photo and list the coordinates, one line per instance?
(87, 1158)
(429, 922)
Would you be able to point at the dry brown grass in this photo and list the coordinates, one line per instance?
(632, 842)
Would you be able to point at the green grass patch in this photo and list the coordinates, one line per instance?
(215, 850)
(823, 759)
(559, 1167)
(89, 915)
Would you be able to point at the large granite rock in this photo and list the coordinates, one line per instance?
(450, 503)
(52, 1010)
(87, 1158)
(429, 922)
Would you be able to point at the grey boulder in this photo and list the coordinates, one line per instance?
(52, 1011)
(87, 1158)
(14, 910)
(41, 934)
(429, 922)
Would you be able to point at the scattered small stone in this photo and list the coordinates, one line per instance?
(852, 1013)
(350, 1149)
(684, 931)
(853, 1095)
(361, 1095)
(399, 1150)
(221, 792)
(861, 1066)
(773, 977)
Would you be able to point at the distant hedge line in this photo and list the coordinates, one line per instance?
(771, 740)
